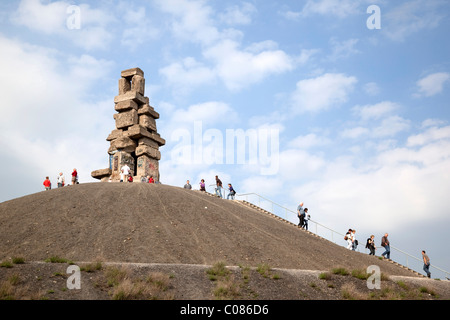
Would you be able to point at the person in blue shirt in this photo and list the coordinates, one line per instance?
(231, 193)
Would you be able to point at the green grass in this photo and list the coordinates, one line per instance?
(56, 259)
(217, 270)
(340, 271)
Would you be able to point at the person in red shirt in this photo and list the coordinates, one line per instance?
(74, 176)
(150, 180)
(47, 184)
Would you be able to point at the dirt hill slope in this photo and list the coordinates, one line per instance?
(148, 223)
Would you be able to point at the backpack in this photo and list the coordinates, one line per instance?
(367, 243)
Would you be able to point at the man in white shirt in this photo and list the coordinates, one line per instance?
(125, 171)
(61, 180)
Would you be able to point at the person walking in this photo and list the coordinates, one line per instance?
(300, 214)
(218, 187)
(305, 220)
(386, 245)
(231, 193)
(187, 185)
(47, 184)
(348, 238)
(370, 244)
(354, 241)
(426, 264)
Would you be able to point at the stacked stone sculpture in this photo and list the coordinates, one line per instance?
(135, 140)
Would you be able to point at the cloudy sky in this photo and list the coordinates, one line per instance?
(344, 102)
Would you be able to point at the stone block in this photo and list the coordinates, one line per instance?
(126, 119)
(138, 84)
(155, 136)
(115, 134)
(147, 122)
(148, 110)
(123, 144)
(131, 95)
(131, 72)
(148, 151)
(137, 131)
(101, 173)
(124, 85)
(126, 105)
(148, 142)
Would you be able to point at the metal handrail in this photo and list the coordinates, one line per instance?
(286, 210)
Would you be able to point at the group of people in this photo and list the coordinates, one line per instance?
(303, 216)
(126, 175)
(218, 188)
(352, 242)
(61, 180)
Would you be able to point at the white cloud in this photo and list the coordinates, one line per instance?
(227, 59)
(411, 17)
(140, 30)
(238, 15)
(391, 126)
(355, 133)
(51, 19)
(336, 8)
(322, 93)
(343, 49)
(210, 113)
(310, 140)
(431, 135)
(239, 68)
(47, 18)
(43, 79)
(192, 20)
(376, 111)
(371, 88)
(432, 84)
(432, 122)
(187, 74)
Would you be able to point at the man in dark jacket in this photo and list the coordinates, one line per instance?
(385, 244)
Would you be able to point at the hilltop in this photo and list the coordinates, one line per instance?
(167, 228)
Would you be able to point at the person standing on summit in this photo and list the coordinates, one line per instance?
(47, 184)
(61, 180)
(125, 171)
(74, 176)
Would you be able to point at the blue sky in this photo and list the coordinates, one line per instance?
(358, 118)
